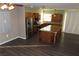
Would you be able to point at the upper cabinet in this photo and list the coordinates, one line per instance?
(28, 14)
(34, 16)
(57, 18)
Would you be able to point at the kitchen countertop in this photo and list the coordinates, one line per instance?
(51, 28)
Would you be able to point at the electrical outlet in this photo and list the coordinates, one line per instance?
(7, 35)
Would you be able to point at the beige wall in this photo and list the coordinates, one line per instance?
(14, 26)
(21, 22)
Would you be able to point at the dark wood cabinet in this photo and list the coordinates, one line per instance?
(34, 16)
(45, 37)
(57, 18)
(28, 14)
(49, 35)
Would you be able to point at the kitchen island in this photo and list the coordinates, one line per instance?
(49, 34)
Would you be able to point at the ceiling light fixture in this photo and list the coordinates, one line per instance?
(4, 6)
(7, 6)
(11, 7)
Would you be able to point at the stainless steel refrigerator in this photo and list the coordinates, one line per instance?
(29, 27)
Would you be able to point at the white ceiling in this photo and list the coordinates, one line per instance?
(53, 5)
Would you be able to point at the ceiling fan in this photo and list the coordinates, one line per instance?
(8, 6)
(18, 4)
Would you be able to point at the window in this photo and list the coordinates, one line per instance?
(47, 17)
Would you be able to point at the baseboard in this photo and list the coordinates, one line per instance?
(9, 40)
(12, 39)
(71, 33)
(22, 37)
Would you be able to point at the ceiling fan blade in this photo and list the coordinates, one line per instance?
(18, 5)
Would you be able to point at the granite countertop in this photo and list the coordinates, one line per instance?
(51, 28)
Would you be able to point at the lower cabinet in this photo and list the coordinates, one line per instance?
(49, 37)
(45, 37)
